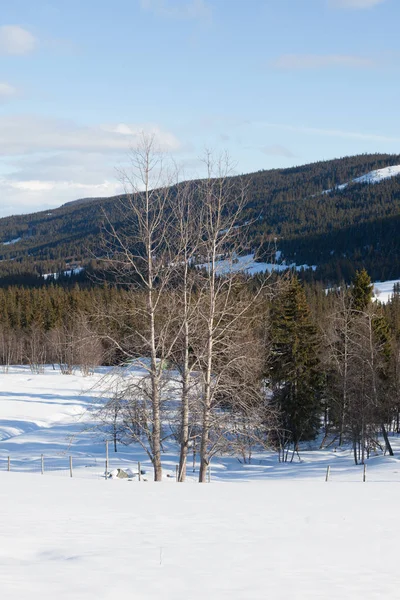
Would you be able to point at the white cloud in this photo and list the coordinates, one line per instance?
(321, 61)
(34, 195)
(46, 162)
(357, 4)
(31, 134)
(277, 150)
(6, 90)
(16, 40)
(178, 9)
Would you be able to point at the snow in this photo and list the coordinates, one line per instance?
(272, 530)
(14, 241)
(53, 414)
(372, 177)
(71, 538)
(249, 265)
(383, 290)
(379, 175)
(67, 273)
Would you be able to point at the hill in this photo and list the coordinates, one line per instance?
(339, 214)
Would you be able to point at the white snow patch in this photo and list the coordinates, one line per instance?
(67, 273)
(383, 290)
(372, 177)
(14, 241)
(250, 266)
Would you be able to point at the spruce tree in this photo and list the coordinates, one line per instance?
(362, 290)
(294, 367)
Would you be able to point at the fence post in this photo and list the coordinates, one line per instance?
(177, 472)
(70, 466)
(327, 473)
(365, 473)
(9, 464)
(42, 464)
(209, 473)
(106, 476)
(139, 473)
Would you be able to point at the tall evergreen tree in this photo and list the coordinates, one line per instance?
(362, 290)
(294, 366)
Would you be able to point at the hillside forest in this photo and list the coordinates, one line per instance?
(340, 231)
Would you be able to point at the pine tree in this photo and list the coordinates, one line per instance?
(294, 367)
(362, 290)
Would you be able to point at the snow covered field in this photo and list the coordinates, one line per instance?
(90, 540)
(272, 530)
(52, 414)
(383, 290)
(249, 265)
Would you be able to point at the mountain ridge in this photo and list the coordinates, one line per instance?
(320, 213)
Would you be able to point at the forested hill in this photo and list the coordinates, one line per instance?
(313, 221)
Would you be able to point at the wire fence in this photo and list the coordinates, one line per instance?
(104, 467)
(67, 466)
(90, 467)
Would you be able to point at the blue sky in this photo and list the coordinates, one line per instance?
(276, 83)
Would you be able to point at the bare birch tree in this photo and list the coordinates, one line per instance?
(140, 253)
(223, 297)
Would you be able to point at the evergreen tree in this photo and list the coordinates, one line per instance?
(294, 368)
(362, 290)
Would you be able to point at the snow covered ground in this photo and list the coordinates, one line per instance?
(383, 290)
(52, 414)
(272, 530)
(372, 177)
(90, 540)
(10, 242)
(67, 273)
(248, 265)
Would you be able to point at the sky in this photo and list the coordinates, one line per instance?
(275, 83)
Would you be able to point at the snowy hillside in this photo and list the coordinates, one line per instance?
(371, 177)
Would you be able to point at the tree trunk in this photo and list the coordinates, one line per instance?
(387, 442)
(184, 437)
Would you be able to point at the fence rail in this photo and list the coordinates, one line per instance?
(68, 466)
